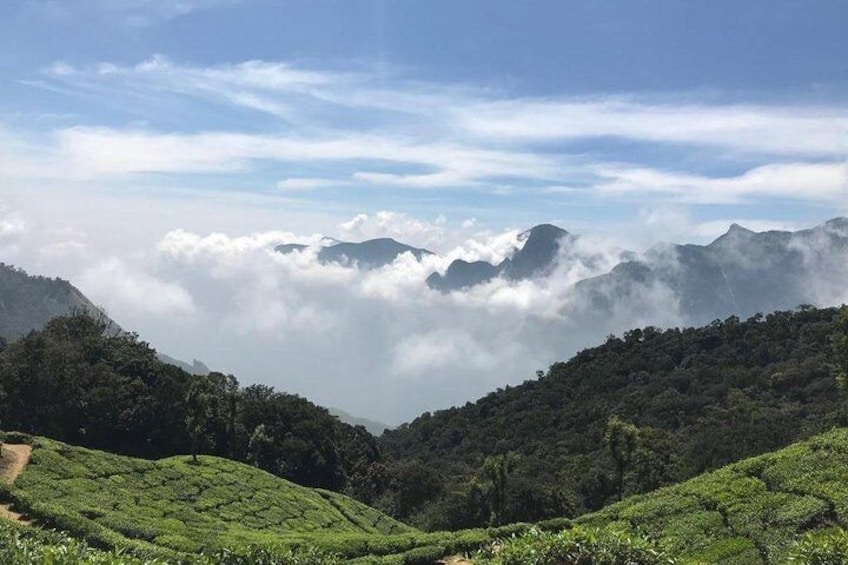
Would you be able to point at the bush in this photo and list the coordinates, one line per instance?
(18, 438)
(821, 548)
(577, 546)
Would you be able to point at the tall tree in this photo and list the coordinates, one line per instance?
(622, 438)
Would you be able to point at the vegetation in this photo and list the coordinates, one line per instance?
(790, 506)
(75, 382)
(119, 501)
(649, 409)
(640, 412)
(576, 546)
(749, 512)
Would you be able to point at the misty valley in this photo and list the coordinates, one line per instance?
(423, 282)
(706, 427)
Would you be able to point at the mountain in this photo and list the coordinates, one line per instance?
(195, 368)
(374, 428)
(740, 273)
(28, 302)
(535, 258)
(370, 254)
(700, 398)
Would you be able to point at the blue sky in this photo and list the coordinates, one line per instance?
(154, 151)
(579, 111)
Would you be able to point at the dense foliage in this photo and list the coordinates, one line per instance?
(639, 412)
(177, 504)
(77, 382)
(577, 546)
(753, 511)
(784, 507)
(645, 410)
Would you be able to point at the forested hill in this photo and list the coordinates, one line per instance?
(688, 400)
(74, 382)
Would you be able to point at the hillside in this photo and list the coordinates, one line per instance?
(28, 302)
(178, 505)
(699, 398)
(73, 382)
(749, 512)
(760, 511)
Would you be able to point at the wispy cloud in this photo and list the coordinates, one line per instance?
(430, 136)
(128, 12)
(824, 182)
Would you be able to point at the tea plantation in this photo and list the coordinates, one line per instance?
(750, 512)
(790, 506)
(179, 505)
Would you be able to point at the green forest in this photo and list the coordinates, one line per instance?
(146, 458)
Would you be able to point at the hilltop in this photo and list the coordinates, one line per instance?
(178, 505)
(749, 512)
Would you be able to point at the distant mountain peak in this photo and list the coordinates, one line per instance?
(736, 228)
(542, 232)
(838, 226)
(368, 254)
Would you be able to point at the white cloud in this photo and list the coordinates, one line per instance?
(299, 183)
(823, 182)
(428, 136)
(12, 226)
(112, 282)
(783, 130)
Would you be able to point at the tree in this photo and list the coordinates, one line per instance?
(840, 347)
(260, 449)
(622, 438)
(199, 401)
(495, 474)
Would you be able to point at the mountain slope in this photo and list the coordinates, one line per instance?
(535, 258)
(740, 273)
(701, 398)
(27, 302)
(175, 504)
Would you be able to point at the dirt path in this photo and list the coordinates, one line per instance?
(13, 461)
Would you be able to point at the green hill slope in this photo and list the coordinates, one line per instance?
(178, 505)
(754, 512)
(701, 398)
(749, 512)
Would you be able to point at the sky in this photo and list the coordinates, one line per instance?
(154, 151)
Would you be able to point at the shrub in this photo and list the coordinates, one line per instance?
(578, 546)
(821, 548)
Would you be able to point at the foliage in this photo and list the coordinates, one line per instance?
(117, 501)
(748, 512)
(821, 548)
(76, 382)
(577, 546)
(699, 398)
